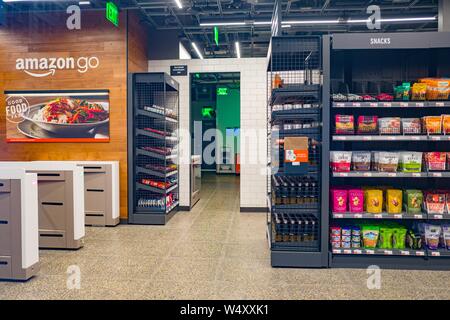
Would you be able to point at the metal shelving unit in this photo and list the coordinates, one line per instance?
(394, 62)
(153, 108)
(296, 197)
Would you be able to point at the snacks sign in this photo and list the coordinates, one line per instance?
(57, 116)
(44, 67)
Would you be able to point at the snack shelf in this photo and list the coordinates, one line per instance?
(155, 115)
(153, 102)
(297, 113)
(394, 104)
(142, 186)
(382, 252)
(388, 138)
(433, 216)
(380, 216)
(295, 93)
(156, 173)
(386, 175)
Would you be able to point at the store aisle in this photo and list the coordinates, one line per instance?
(210, 253)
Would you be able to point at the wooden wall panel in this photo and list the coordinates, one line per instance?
(28, 36)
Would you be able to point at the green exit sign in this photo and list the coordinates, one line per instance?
(112, 13)
(216, 35)
(222, 91)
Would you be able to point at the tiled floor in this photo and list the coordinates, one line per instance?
(213, 252)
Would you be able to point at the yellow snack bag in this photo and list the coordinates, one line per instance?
(374, 201)
(394, 200)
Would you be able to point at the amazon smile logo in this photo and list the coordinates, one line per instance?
(44, 67)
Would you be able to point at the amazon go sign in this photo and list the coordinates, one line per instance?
(44, 67)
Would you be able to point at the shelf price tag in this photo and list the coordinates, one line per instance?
(338, 215)
(370, 251)
(388, 252)
(435, 138)
(404, 253)
(358, 215)
(342, 174)
(438, 216)
(378, 216)
(367, 174)
(340, 105)
(392, 174)
(435, 253)
(416, 175)
(420, 104)
(348, 251)
(440, 104)
(357, 251)
(418, 216)
(367, 138)
(357, 104)
(404, 104)
(372, 104)
(398, 216)
(420, 253)
(392, 138)
(387, 104)
(336, 251)
(437, 174)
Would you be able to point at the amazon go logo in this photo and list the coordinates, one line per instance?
(43, 67)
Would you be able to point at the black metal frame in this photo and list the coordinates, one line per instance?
(295, 228)
(405, 259)
(153, 103)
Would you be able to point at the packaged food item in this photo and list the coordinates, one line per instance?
(391, 125)
(385, 97)
(413, 240)
(387, 162)
(336, 244)
(356, 244)
(356, 200)
(346, 231)
(339, 97)
(411, 126)
(354, 97)
(399, 238)
(419, 92)
(339, 201)
(432, 235)
(361, 160)
(386, 235)
(446, 123)
(367, 125)
(394, 201)
(369, 98)
(432, 124)
(446, 234)
(437, 88)
(436, 161)
(356, 232)
(370, 236)
(402, 92)
(374, 201)
(335, 231)
(435, 203)
(346, 245)
(346, 238)
(345, 124)
(341, 161)
(413, 200)
(410, 162)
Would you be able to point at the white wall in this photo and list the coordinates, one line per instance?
(253, 73)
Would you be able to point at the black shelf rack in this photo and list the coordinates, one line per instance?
(405, 59)
(153, 109)
(295, 199)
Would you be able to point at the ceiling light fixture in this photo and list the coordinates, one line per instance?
(311, 21)
(81, 3)
(179, 4)
(238, 49)
(199, 54)
(220, 24)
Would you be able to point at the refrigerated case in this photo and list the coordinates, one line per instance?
(153, 108)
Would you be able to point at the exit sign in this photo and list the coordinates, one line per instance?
(216, 35)
(222, 91)
(112, 13)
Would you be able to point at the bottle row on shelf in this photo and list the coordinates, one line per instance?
(374, 125)
(295, 190)
(390, 235)
(388, 161)
(296, 228)
(370, 200)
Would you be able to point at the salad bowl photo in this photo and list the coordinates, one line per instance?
(65, 116)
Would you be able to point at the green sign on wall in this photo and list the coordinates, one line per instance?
(222, 91)
(216, 35)
(112, 13)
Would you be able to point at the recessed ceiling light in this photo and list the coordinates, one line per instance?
(238, 49)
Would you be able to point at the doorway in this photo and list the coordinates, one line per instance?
(215, 130)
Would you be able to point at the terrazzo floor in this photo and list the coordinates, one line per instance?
(212, 252)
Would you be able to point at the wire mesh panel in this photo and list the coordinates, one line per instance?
(295, 107)
(155, 145)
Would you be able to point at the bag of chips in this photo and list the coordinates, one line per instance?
(374, 201)
(394, 201)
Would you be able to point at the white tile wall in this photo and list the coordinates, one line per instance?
(253, 117)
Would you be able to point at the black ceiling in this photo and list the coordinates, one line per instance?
(254, 39)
